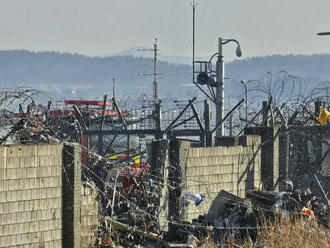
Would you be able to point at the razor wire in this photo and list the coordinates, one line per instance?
(9, 99)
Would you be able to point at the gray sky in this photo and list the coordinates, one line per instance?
(99, 27)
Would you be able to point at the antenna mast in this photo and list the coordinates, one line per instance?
(193, 6)
(154, 74)
(155, 85)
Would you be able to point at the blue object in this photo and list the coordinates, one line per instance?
(199, 201)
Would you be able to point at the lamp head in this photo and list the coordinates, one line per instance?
(324, 33)
(243, 82)
(238, 51)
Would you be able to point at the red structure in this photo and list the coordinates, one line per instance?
(87, 102)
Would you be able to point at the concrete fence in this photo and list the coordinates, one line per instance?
(40, 197)
(235, 168)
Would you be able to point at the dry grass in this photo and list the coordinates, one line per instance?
(284, 233)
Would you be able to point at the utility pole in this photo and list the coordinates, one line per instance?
(208, 135)
(158, 119)
(157, 104)
(220, 76)
(220, 94)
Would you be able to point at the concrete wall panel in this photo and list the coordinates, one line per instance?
(30, 195)
(207, 171)
(40, 196)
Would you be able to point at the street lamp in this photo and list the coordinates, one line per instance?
(323, 33)
(246, 99)
(220, 83)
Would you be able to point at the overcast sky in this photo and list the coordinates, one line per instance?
(99, 27)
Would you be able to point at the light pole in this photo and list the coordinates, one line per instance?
(246, 99)
(220, 95)
(323, 33)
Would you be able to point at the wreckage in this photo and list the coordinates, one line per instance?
(130, 191)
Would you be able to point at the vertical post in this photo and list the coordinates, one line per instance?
(159, 167)
(89, 138)
(318, 146)
(202, 139)
(71, 191)
(231, 125)
(193, 58)
(155, 86)
(287, 157)
(317, 107)
(113, 93)
(246, 99)
(158, 120)
(100, 136)
(265, 113)
(220, 95)
(271, 110)
(246, 103)
(208, 137)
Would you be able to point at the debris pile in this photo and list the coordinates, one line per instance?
(235, 218)
(30, 130)
(130, 195)
(129, 200)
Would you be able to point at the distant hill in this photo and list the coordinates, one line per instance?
(314, 67)
(74, 75)
(88, 76)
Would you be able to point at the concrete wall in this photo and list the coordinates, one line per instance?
(270, 154)
(207, 171)
(71, 193)
(40, 189)
(159, 161)
(89, 215)
(31, 196)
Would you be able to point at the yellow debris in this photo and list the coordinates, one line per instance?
(323, 117)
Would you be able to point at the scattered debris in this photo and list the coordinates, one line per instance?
(192, 197)
(232, 217)
(130, 195)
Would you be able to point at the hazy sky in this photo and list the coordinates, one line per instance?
(99, 27)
